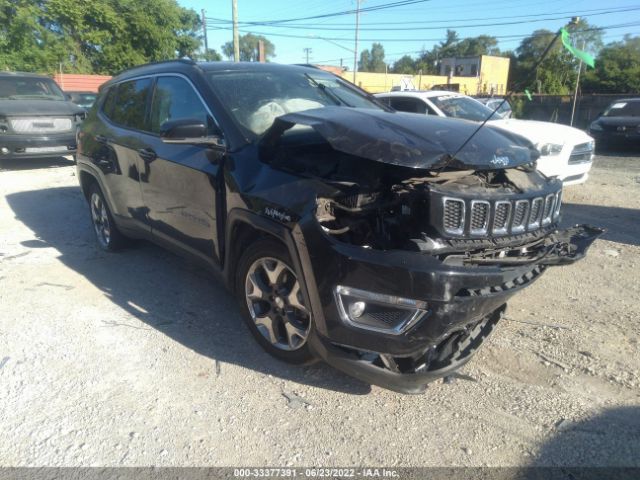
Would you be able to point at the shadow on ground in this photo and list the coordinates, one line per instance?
(162, 290)
(604, 447)
(622, 224)
(34, 164)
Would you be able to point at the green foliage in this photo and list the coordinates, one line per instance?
(373, 60)
(249, 48)
(556, 75)
(405, 65)
(94, 36)
(211, 55)
(617, 69)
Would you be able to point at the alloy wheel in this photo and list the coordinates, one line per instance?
(276, 305)
(100, 219)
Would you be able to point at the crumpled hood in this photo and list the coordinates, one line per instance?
(542, 132)
(19, 108)
(409, 140)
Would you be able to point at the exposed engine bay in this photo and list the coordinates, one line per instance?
(499, 216)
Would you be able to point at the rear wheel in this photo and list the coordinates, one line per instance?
(272, 303)
(107, 233)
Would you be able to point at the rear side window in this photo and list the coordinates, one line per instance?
(174, 98)
(126, 103)
(412, 105)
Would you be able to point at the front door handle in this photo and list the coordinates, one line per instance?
(147, 154)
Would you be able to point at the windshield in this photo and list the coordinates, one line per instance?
(256, 99)
(462, 107)
(20, 88)
(623, 109)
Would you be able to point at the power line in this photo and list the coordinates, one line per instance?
(597, 12)
(342, 39)
(399, 3)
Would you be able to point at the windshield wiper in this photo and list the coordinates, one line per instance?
(323, 88)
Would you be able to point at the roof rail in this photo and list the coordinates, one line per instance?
(186, 61)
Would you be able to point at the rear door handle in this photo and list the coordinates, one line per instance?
(147, 154)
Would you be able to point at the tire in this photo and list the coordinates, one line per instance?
(271, 302)
(107, 234)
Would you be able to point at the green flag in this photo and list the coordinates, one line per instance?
(528, 94)
(584, 56)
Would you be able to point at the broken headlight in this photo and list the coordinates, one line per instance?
(377, 312)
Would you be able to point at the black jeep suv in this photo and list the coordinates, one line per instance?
(348, 232)
(36, 118)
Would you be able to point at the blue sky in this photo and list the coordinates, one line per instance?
(409, 28)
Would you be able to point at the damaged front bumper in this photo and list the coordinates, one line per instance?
(461, 304)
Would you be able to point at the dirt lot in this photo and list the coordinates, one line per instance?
(138, 358)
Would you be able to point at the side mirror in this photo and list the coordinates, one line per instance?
(190, 131)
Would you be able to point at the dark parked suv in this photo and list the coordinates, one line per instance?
(36, 118)
(348, 232)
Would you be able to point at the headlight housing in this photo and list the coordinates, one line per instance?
(4, 124)
(547, 149)
(595, 127)
(377, 312)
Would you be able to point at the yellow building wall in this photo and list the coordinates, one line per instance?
(494, 73)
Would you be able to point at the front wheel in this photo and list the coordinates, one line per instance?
(272, 303)
(107, 233)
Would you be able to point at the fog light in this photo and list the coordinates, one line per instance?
(4, 150)
(377, 312)
(356, 309)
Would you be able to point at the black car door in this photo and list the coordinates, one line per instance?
(113, 143)
(179, 182)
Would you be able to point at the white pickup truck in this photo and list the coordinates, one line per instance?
(565, 152)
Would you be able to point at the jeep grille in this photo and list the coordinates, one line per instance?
(479, 218)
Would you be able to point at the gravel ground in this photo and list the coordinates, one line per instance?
(139, 358)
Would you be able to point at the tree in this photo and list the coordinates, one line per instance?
(249, 48)
(557, 73)
(94, 36)
(617, 68)
(211, 55)
(405, 65)
(372, 61)
(365, 60)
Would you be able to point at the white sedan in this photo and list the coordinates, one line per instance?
(565, 152)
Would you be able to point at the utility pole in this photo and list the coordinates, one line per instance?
(575, 93)
(236, 38)
(355, 50)
(204, 31)
(307, 51)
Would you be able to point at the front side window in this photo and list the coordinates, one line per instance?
(174, 98)
(130, 104)
(462, 107)
(26, 88)
(256, 99)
